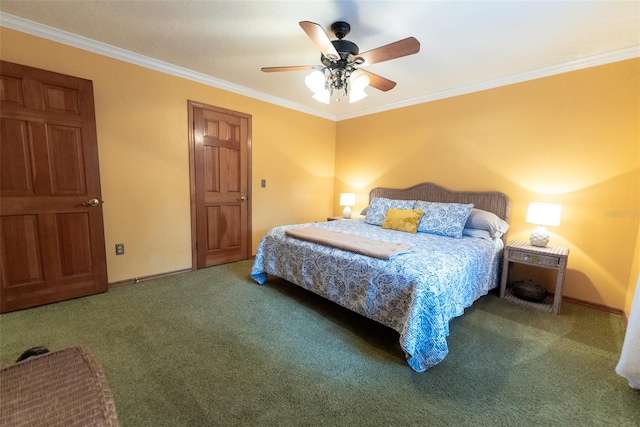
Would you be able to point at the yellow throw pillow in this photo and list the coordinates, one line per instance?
(403, 220)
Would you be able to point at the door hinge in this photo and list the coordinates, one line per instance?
(196, 245)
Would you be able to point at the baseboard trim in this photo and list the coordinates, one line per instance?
(156, 276)
(145, 278)
(594, 305)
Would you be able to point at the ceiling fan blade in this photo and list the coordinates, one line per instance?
(320, 38)
(379, 82)
(292, 68)
(398, 49)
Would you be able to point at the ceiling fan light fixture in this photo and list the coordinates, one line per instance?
(322, 96)
(323, 84)
(341, 58)
(358, 85)
(356, 95)
(360, 82)
(315, 81)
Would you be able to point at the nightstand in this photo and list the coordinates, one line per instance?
(552, 257)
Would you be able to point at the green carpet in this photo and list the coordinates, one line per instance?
(211, 347)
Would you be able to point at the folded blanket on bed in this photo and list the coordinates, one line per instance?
(349, 242)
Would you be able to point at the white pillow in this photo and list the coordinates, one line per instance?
(474, 232)
(485, 220)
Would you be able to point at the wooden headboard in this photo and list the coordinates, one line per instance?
(492, 201)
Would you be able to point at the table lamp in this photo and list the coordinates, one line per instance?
(542, 214)
(347, 200)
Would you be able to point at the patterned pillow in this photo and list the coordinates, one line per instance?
(444, 219)
(402, 220)
(379, 206)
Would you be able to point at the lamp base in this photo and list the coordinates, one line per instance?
(346, 213)
(539, 237)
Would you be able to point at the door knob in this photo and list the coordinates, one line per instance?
(242, 199)
(92, 202)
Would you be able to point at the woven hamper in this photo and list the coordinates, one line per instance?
(529, 290)
(62, 388)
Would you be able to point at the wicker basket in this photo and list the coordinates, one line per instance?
(62, 388)
(529, 290)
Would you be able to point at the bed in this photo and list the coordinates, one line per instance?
(429, 280)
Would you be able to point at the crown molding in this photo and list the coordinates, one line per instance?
(70, 39)
(54, 34)
(591, 61)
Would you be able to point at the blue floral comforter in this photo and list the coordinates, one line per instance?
(416, 293)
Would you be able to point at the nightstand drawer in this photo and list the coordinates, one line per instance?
(549, 261)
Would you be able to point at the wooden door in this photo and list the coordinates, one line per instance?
(221, 178)
(51, 235)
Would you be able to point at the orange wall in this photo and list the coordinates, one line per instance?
(141, 118)
(571, 139)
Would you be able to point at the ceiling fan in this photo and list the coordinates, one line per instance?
(341, 58)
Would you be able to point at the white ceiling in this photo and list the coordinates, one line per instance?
(465, 45)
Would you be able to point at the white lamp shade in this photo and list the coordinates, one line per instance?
(356, 95)
(544, 214)
(315, 81)
(347, 199)
(322, 96)
(358, 84)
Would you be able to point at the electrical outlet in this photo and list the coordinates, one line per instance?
(119, 248)
(263, 183)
